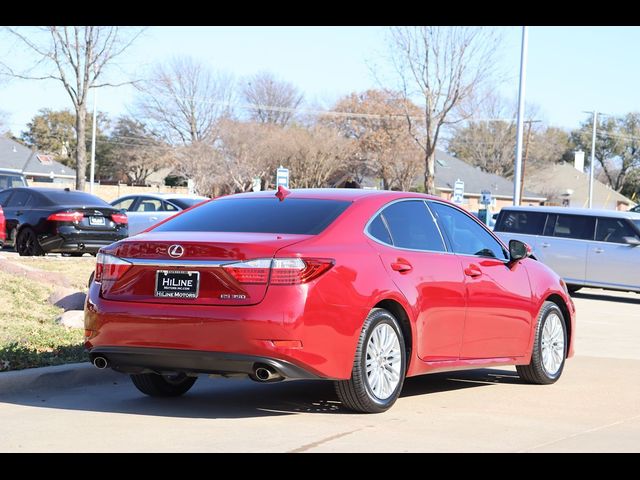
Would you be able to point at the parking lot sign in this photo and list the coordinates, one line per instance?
(485, 197)
(282, 177)
(458, 192)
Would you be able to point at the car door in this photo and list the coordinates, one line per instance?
(565, 243)
(611, 261)
(414, 254)
(16, 210)
(498, 319)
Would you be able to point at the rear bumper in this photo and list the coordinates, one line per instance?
(158, 360)
(293, 330)
(75, 241)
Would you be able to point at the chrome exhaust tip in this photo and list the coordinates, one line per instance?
(100, 363)
(266, 374)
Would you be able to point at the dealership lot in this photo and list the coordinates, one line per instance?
(594, 407)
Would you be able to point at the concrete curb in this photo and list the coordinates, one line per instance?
(60, 376)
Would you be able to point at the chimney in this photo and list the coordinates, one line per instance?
(578, 161)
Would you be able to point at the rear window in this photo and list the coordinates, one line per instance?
(73, 197)
(527, 223)
(301, 216)
(185, 203)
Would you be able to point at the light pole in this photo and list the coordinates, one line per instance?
(517, 173)
(93, 145)
(593, 158)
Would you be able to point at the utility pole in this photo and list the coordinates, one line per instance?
(526, 154)
(523, 73)
(593, 158)
(93, 145)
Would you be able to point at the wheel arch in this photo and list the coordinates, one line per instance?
(398, 311)
(559, 301)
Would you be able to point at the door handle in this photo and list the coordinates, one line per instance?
(472, 271)
(19, 212)
(599, 250)
(545, 245)
(401, 266)
(153, 219)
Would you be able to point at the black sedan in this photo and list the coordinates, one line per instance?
(43, 220)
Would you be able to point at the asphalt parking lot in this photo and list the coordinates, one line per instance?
(593, 408)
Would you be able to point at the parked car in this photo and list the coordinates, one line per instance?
(42, 220)
(11, 178)
(635, 209)
(586, 247)
(3, 231)
(356, 286)
(146, 210)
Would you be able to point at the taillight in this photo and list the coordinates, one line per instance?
(279, 271)
(66, 217)
(119, 218)
(109, 267)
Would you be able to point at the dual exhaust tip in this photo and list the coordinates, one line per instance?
(261, 373)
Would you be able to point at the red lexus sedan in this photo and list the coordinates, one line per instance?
(360, 287)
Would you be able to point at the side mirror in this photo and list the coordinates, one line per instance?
(631, 241)
(518, 250)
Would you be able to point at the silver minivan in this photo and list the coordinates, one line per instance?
(586, 247)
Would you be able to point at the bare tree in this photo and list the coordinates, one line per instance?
(78, 58)
(184, 100)
(199, 161)
(272, 100)
(444, 67)
(379, 128)
(318, 153)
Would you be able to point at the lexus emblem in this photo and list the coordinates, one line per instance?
(176, 251)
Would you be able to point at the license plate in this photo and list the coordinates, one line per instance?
(177, 284)
(96, 221)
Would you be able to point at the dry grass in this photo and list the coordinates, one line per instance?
(76, 270)
(29, 335)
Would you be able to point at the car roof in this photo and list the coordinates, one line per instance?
(162, 196)
(591, 212)
(11, 171)
(349, 194)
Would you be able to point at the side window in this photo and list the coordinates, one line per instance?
(614, 230)
(125, 204)
(4, 196)
(378, 230)
(467, 237)
(20, 199)
(528, 223)
(412, 226)
(149, 205)
(575, 226)
(169, 207)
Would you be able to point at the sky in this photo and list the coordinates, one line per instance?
(569, 69)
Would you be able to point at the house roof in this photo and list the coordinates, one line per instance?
(563, 181)
(449, 169)
(16, 156)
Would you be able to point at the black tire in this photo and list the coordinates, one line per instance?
(355, 393)
(535, 372)
(156, 385)
(27, 244)
(573, 288)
